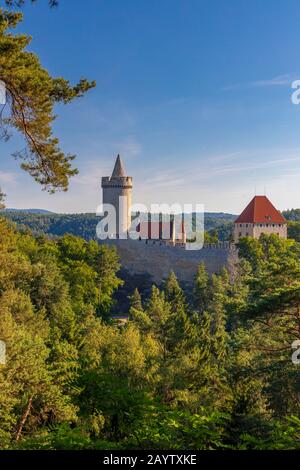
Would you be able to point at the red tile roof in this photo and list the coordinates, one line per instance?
(261, 210)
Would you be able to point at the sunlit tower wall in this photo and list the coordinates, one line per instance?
(117, 191)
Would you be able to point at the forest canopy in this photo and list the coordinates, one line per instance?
(207, 368)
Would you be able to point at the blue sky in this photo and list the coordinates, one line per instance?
(194, 94)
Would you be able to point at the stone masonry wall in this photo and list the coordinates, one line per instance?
(139, 257)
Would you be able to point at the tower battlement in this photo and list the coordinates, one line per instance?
(116, 182)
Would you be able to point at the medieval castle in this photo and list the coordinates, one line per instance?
(155, 254)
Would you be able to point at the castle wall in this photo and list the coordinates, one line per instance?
(139, 257)
(242, 230)
(255, 230)
(277, 229)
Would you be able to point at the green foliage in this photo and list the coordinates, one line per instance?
(294, 230)
(42, 326)
(201, 289)
(205, 368)
(273, 304)
(168, 429)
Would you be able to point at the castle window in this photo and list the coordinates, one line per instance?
(241, 225)
(240, 234)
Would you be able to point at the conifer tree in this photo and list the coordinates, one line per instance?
(272, 314)
(217, 311)
(136, 300)
(174, 294)
(137, 314)
(26, 372)
(31, 94)
(176, 336)
(201, 288)
(107, 267)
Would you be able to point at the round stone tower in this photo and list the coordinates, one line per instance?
(116, 190)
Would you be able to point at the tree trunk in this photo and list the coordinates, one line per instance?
(24, 418)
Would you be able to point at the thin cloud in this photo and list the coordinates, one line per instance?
(280, 80)
(8, 177)
(194, 173)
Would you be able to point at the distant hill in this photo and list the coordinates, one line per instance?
(28, 211)
(220, 215)
(40, 221)
(84, 225)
